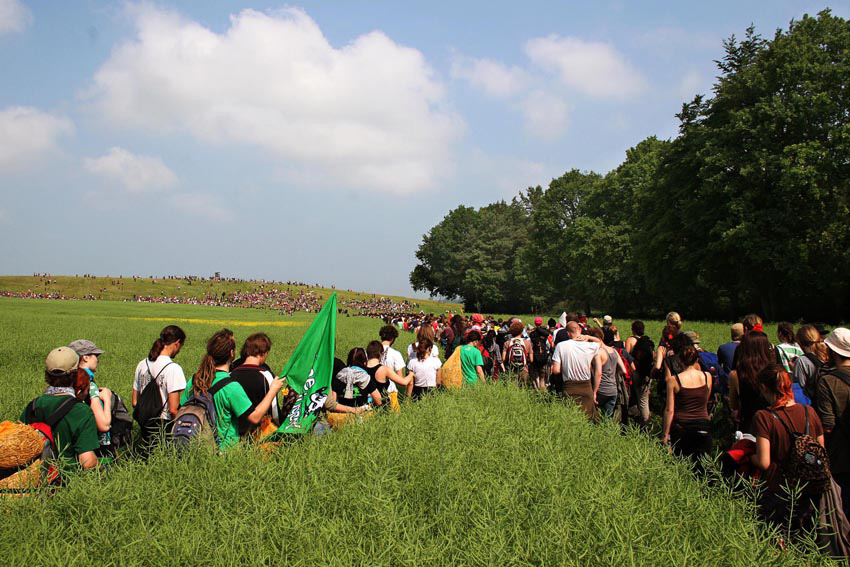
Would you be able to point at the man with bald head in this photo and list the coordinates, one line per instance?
(577, 361)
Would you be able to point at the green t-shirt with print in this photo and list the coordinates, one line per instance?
(231, 402)
(74, 435)
(470, 357)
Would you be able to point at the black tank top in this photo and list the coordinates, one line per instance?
(382, 386)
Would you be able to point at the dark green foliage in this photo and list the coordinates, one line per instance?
(748, 209)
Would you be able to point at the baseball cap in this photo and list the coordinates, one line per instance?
(84, 346)
(62, 360)
(607, 319)
(693, 336)
(839, 341)
(538, 320)
(821, 329)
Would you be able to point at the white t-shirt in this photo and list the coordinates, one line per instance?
(575, 358)
(392, 358)
(425, 371)
(411, 351)
(171, 378)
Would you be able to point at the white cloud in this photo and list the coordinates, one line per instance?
(593, 68)
(136, 173)
(546, 115)
(202, 205)
(366, 115)
(27, 134)
(14, 17)
(494, 78)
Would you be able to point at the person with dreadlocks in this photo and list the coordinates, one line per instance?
(231, 401)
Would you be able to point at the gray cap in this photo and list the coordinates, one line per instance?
(693, 336)
(84, 346)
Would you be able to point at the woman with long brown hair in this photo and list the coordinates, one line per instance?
(773, 428)
(754, 354)
(231, 401)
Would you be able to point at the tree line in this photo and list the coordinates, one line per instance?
(746, 209)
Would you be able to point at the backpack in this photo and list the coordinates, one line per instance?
(539, 346)
(516, 353)
(196, 418)
(150, 404)
(49, 451)
(811, 388)
(627, 377)
(709, 363)
(121, 431)
(644, 355)
(807, 463)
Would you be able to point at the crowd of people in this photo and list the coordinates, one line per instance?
(789, 398)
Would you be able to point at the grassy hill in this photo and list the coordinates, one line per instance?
(126, 288)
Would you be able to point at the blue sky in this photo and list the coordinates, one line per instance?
(318, 141)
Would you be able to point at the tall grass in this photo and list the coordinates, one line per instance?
(487, 476)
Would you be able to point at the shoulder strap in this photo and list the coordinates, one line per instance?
(221, 384)
(679, 382)
(785, 425)
(60, 412)
(814, 359)
(158, 374)
(708, 377)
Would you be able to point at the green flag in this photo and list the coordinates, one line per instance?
(309, 370)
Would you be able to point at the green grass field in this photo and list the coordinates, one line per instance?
(491, 476)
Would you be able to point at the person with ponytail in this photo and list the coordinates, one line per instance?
(686, 420)
(159, 365)
(815, 357)
(425, 369)
(771, 428)
(231, 401)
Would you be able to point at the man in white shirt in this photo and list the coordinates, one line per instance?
(573, 359)
(391, 356)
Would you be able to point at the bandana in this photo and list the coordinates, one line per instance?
(60, 390)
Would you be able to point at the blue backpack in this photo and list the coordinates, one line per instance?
(709, 362)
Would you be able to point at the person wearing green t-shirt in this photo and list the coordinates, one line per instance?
(471, 360)
(231, 401)
(75, 435)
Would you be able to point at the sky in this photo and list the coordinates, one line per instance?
(318, 141)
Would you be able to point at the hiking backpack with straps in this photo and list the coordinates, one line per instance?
(121, 430)
(150, 404)
(516, 353)
(807, 463)
(49, 451)
(196, 418)
(539, 346)
(643, 352)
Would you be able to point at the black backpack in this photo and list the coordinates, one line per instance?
(121, 430)
(644, 355)
(807, 463)
(539, 345)
(150, 404)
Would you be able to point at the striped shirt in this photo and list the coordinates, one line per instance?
(788, 354)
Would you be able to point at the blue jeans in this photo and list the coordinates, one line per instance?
(607, 405)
